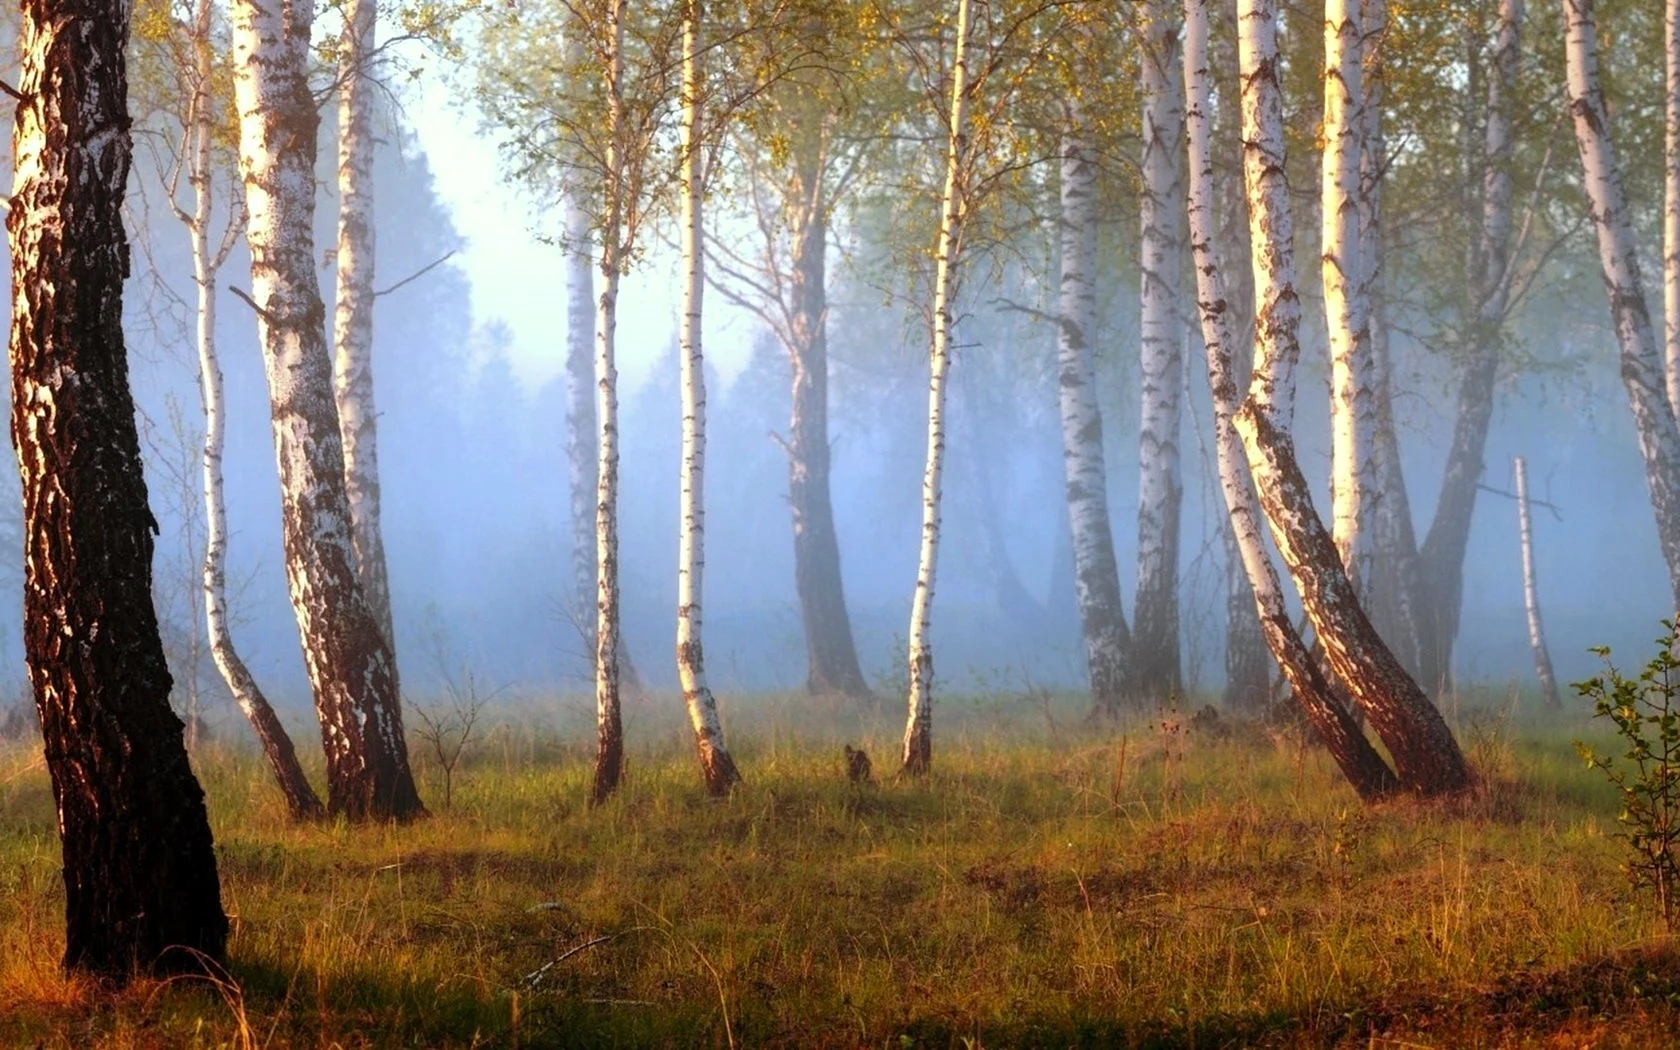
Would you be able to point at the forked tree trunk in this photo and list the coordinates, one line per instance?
(609, 722)
(1155, 635)
(301, 801)
(1358, 760)
(716, 767)
(1642, 363)
(918, 729)
(1444, 546)
(831, 654)
(1426, 757)
(351, 670)
(1096, 574)
(1531, 592)
(140, 884)
(1352, 390)
(353, 318)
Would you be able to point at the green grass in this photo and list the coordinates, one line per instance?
(1051, 884)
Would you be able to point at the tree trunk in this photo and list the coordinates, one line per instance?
(301, 801)
(140, 883)
(831, 653)
(351, 670)
(1426, 757)
(1352, 394)
(1531, 593)
(609, 723)
(1102, 615)
(1642, 363)
(1155, 635)
(1358, 760)
(1442, 556)
(918, 729)
(581, 426)
(1671, 198)
(716, 767)
(353, 319)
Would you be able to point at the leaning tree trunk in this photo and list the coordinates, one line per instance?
(351, 670)
(1352, 394)
(1354, 755)
(1155, 635)
(301, 801)
(353, 319)
(1444, 546)
(1531, 593)
(1096, 574)
(609, 721)
(1671, 198)
(716, 767)
(140, 883)
(1427, 759)
(831, 653)
(1642, 363)
(918, 729)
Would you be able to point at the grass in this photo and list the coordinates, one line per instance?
(1046, 886)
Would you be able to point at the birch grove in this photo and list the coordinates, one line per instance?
(351, 668)
(716, 767)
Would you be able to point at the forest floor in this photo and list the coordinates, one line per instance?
(1051, 884)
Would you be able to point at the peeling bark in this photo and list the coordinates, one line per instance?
(140, 882)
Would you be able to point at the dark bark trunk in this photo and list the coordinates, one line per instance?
(141, 890)
(830, 650)
(301, 801)
(1248, 663)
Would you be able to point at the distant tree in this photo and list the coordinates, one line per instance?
(351, 667)
(141, 889)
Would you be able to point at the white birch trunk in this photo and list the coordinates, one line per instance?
(1155, 635)
(1642, 363)
(609, 725)
(1531, 592)
(716, 766)
(353, 318)
(1426, 757)
(350, 664)
(1095, 572)
(1363, 767)
(1671, 198)
(918, 730)
(1352, 391)
(301, 801)
(581, 426)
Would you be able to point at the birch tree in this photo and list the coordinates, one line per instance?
(351, 669)
(716, 766)
(1161, 366)
(1427, 759)
(1641, 359)
(197, 156)
(1358, 760)
(140, 882)
(1531, 592)
(1671, 198)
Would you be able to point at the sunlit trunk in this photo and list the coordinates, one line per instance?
(1531, 593)
(1426, 757)
(350, 665)
(1671, 198)
(1359, 762)
(140, 883)
(1155, 634)
(716, 767)
(581, 441)
(1642, 365)
(918, 730)
(1096, 575)
(301, 800)
(609, 723)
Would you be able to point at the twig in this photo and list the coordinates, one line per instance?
(417, 274)
(535, 976)
(12, 91)
(1556, 513)
(239, 293)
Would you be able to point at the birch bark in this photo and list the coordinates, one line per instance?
(301, 801)
(140, 884)
(1155, 641)
(717, 768)
(1426, 757)
(581, 424)
(350, 666)
(1096, 574)
(918, 730)
(1671, 198)
(1359, 762)
(1642, 363)
(1531, 592)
